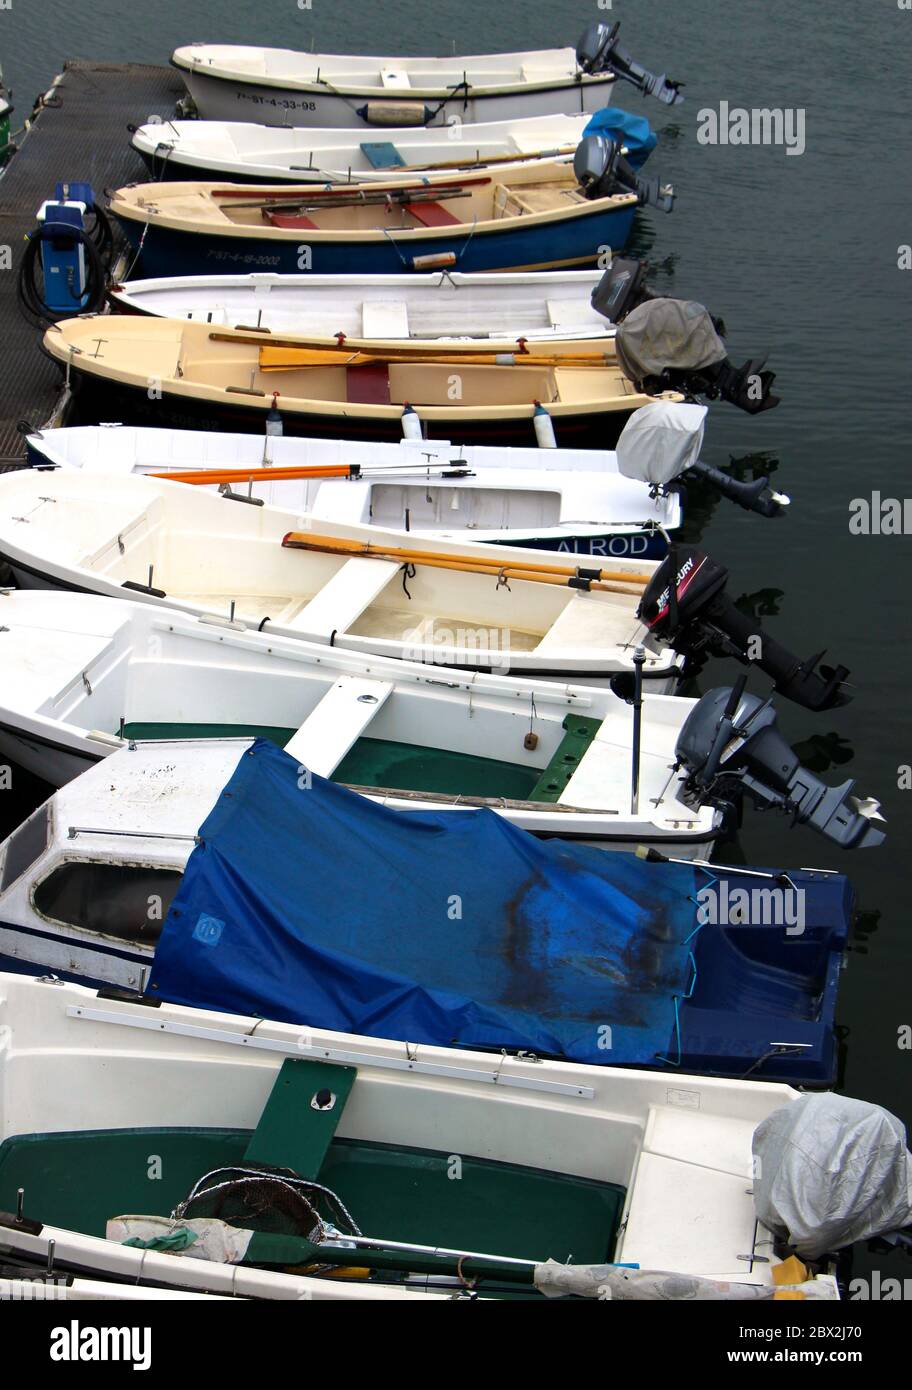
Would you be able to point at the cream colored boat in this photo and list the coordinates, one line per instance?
(167, 372)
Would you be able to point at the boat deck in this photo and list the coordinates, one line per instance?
(80, 135)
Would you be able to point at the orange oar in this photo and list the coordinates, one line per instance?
(265, 474)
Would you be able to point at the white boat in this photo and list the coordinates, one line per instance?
(172, 545)
(236, 150)
(568, 500)
(331, 89)
(496, 307)
(85, 676)
(566, 1167)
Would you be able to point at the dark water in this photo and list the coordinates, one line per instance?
(799, 254)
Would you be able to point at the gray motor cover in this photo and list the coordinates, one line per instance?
(675, 333)
(830, 1170)
(660, 441)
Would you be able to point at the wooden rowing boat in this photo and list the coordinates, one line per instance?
(228, 379)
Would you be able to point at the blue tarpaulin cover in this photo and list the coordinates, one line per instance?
(633, 131)
(317, 906)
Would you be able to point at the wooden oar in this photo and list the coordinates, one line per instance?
(307, 190)
(262, 338)
(305, 540)
(278, 359)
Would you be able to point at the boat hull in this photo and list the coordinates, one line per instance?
(99, 399)
(570, 242)
(232, 99)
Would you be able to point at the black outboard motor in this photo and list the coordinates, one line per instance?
(599, 51)
(621, 288)
(601, 170)
(674, 345)
(730, 747)
(697, 617)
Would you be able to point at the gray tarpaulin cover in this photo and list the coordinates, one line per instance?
(611, 1282)
(664, 333)
(660, 441)
(830, 1171)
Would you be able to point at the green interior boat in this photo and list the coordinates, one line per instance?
(396, 1193)
(374, 762)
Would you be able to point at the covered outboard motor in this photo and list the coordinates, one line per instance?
(730, 747)
(674, 345)
(661, 442)
(601, 170)
(599, 51)
(829, 1171)
(685, 604)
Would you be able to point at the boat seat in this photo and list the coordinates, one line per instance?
(343, 599)
(433, 215)
(300, 1118)
(397, 79)
(569, 313)
(585, 622)
(710, 1219)
(337, 722)
(295, 220)
(579, 731)
(382, 154)
(385, 319)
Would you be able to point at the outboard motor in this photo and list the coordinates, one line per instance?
(621, 289)
(599, 51)
(661, 442)
(695, 615)
(601, 170)
(730, 747)
(830, 1171)
(674, 345)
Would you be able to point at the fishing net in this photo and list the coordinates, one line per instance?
(272, 1200)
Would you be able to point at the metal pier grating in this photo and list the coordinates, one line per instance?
(81, 135)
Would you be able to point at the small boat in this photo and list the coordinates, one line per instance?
(568, 500)
(85, 675)
(541, 215)
(706, 968)
(342, 90)
(445, 308)
(566, 1167)
(274, 154)
(228, 379)
(361, 588)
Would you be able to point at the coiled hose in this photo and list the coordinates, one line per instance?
(97, 241)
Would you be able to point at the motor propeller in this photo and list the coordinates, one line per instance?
(703, 621)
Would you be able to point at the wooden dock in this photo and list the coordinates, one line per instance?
(79, 135)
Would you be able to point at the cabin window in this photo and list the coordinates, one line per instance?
(127, 901)
(26, 844)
